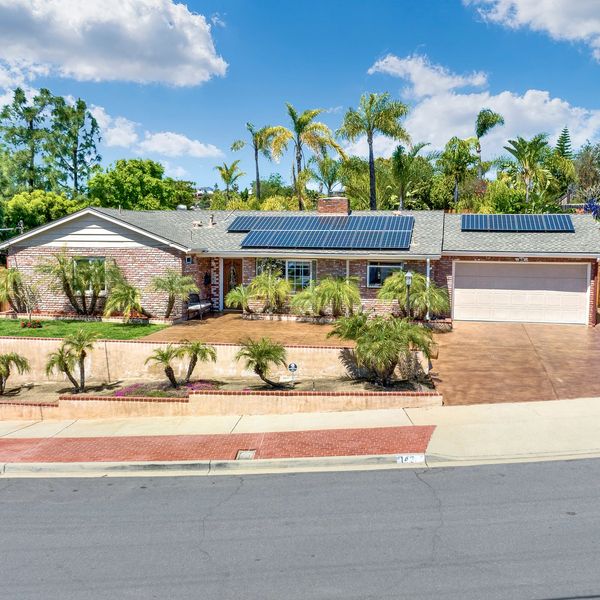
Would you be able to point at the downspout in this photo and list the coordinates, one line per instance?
(428, 281)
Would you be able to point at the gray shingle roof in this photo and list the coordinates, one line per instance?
(585, 239)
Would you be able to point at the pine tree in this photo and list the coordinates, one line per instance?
(563, 144)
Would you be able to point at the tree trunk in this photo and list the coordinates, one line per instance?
(401, 200)
(527, 187)
(3, 383)
(257, 173)
(171, 376)
(31, 174)
(298, 171)
(170, 305)
(372, 188)
(191, 367)
(455, 191)
(82, 371)
(75, 174)
(227, 192)
(71, 379)
(479, 166)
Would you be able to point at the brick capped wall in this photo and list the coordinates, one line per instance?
(139, 266)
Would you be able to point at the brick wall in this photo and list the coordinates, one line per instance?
(198, 269)
(333, 205)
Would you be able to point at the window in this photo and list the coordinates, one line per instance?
(269, 264)
(298, 272)
(189, 260)
(378, 272)
(94, 277)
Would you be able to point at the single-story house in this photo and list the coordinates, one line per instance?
(524, 268)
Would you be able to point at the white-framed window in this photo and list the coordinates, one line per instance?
(378, 272)
(189, 260)
(298, 272)
(85, 261)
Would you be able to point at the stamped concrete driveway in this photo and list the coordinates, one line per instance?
(513, 362)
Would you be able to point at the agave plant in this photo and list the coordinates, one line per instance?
(259, 355)
(238, 297)
(164, 357)
(175, 285)
(271, 288)
(9, 361)
(196, 351)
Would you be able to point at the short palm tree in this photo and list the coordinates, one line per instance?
(260, 140)
(271, 288)
(456, 161)
(11, 289)
(487, 119)
(238, 297)
(340, 294)
(9, 361)
(376, 114)
(175, 285)
(63, 359)
(307, 301)
(304, 132)
(259, 355)
(123, 298)
(164, 357)
(229, 174)
(529, 156)
(349, 328)
(196, 351)
(80, 343)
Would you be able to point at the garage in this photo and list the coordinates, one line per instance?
(521, 292)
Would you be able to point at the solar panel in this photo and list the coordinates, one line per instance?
(518, 223)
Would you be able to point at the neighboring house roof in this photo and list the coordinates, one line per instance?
(584, 241)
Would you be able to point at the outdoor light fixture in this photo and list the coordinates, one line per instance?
(408, 281)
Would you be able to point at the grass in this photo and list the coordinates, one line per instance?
(59, 329)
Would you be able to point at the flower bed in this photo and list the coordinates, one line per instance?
(164, 390)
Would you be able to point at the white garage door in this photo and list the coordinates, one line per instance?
(521, 292)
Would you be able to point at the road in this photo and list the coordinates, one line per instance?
(528, 531)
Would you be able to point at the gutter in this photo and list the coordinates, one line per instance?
(483, 254)
(312, 256)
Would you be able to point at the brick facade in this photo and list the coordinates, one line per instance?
(334, 205)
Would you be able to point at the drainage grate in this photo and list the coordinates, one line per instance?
(245, 455)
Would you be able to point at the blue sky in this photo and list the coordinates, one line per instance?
(177, 82)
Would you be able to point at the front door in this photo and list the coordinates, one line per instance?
(232, 274)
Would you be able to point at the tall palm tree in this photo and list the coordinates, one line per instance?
(175, 285)
(164, 357)
(376, 113)
(326, 171)
(260, 139)
(487, 119)
(304, 132)
(259, 355)
(9, 361)
(456, 161)
(404, 167)
(196, 351)
(63, 359)
(80, 343)
(229, 174)
(529, 156)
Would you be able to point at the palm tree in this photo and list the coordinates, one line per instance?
(326, 172)
(175, 285)
(307, 301)
(456, 161)
(305, 131)
(123, 298)
(349, 328)
(9, 361)
(238, 297)
(196, 351)
(405, 169)
(341, 294)
(487, 119)
(229, 174)
(11, 289)
(529, 156)
(63, 359)
(261, 144)
(79, 344)
(164, 357)
(271, 288)
(260, 355)
(376, 113)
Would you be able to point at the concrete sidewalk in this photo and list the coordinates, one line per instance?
(462, 435)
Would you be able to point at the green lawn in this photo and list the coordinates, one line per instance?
(110, 331)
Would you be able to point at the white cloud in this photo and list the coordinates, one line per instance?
(143, 41)
(116, 131)
(570, 20)
(175, 171)
(168, 143)
(436, 116)
(425, 78)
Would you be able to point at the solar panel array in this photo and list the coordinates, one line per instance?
(518, 223)
(330, 232)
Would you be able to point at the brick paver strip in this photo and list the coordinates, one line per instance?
(287, 444)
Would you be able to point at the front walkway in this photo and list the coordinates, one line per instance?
(513, 362)
(230, 328)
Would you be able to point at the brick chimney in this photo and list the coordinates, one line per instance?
(334, 205)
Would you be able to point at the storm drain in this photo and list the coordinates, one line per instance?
(245, 455)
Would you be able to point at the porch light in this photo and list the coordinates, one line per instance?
(408, 281)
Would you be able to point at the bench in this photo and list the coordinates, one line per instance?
(197, 306)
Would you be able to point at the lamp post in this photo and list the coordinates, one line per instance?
(408, 282)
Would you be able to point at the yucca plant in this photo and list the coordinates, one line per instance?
(164, 357)
(196, 351)
(175, 285)
(307, 302)
(340, 294)
(79, 344)
(259, 355)
(9, 361)
(238, 297)
(125, 299)
(271, 288)
(63, 359)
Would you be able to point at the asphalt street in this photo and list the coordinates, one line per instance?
(525, 531)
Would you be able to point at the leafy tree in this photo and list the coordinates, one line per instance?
(340, 294)
(196, 351)
(123, 298)
(164, 357)
(8, 177)
(587, 166)
(259, 355)
(376, 113)
(563, 144)
(278, 203)
(138, 184)
(238, 297)
(63, 359)
(175, 285)
(407, 167)
(79, 344)
(354, 174)
(23, 127)
(271, 288)
(487, 119)
(457, 160)
(229, 174)
(441, 192)
(38, 208)
(8, 362)
(274, 186)
(71, 144)
(261, 140)
(326, 171)
(504, 199)
(304, 132)
(529, 156)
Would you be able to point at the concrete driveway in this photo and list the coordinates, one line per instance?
(513, 362)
